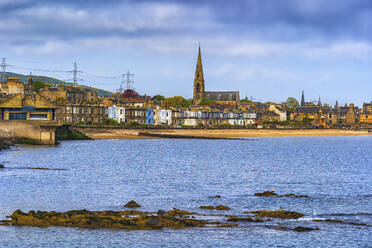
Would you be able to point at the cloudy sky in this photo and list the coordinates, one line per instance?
(266, 49)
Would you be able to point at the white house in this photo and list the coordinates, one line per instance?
(116, 113)
(163, 116)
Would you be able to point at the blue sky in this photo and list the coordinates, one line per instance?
(266, 49)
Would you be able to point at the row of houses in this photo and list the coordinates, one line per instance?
(180, 117)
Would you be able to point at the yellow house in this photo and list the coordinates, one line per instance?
(366, 117)
(28, 107)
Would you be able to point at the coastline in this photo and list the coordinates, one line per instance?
(106, 133)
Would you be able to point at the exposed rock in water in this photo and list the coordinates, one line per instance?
(248, 219)
(342, 222)
(104, 219)
(273, 194)
(222, 207)
(281, 214)
(266, 193)
(216, 196)
(207, 207)
(304, 229)
(294, 196)
(296, 229)
(132, 204)
(39, 168)
(2, 166)
(227, 225)
(179, 213)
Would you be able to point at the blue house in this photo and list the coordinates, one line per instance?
(149, 117)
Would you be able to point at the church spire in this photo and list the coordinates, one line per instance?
(199, 89)
(199, 68)
(303, 99)
(319, 102)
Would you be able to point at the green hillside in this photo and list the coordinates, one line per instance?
(52, 81)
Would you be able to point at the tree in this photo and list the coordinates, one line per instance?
(178, 101)
(245, 100)
(158, 98)
(37, 85)
(206, 101)
(129, 93)
(291, 104)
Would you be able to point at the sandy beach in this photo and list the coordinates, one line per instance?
(106, 133)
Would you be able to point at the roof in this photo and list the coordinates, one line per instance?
(307, 109)
(222, 95)
(19, 101)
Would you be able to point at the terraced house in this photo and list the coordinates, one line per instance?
(366, 113)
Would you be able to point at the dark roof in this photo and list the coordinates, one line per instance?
(222, 95)
(307, 109)
(330, 111)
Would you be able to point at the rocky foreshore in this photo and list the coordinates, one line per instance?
(134, 219)
(140, 220)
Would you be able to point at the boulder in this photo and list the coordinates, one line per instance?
(154, 223)
(222, 207)
(132, 204)
(304, 229)
(207, 207)
(266, 193)
(2, 166)
(281, 214)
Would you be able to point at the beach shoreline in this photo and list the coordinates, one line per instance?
(107, 133)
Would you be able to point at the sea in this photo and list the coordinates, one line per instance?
(334, 172)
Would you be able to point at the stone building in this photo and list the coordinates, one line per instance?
(366, 113)
(230, 98)
(135, 115)
(69, 93)
(12, 87)
(81, 113)
(351, 115)
(30, 107)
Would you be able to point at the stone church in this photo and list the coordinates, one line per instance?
(229, 98)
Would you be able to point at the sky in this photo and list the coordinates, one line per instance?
(267, 49)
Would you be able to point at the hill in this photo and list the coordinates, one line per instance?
(51, 81)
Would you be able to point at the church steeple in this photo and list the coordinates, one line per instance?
(319, 102)
(303, 99)
(199, 89)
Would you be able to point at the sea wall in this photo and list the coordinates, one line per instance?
(40, 131)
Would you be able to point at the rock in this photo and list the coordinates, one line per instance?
(304, 229)
(179, 212)
(273, 194)
(281, 214)
(161, 212)
(296, 229)
(154, 223)
(2, 166)
(342, 222)
(207, 207)
(294, 196)
(227, 225)
(102, 219)
(248, 219)
(222, 207)
(132, 204)
(266, 193)
(216, 196)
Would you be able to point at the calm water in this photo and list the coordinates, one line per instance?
(336, 172)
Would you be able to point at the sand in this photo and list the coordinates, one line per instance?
(106, 133)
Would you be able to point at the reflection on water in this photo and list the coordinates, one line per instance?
(335, 172)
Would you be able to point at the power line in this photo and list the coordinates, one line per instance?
(3, 66)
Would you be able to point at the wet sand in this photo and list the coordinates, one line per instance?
(106, 133)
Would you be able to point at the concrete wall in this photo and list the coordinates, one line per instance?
(41, 131)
